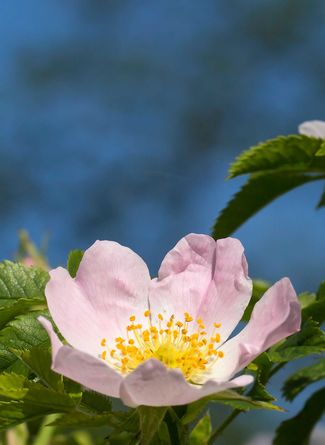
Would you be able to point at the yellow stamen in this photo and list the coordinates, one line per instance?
(173, 342)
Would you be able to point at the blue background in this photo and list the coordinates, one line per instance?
(119, 119)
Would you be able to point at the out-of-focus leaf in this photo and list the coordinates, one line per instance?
(22, 400)
(310, 340)
(201, 432)
(150, 421)
(74, 259)
(23, 333)
(321, 202)
(290, 153)
(257, 192)
(321, 150)
(297, 431)
(298, 381)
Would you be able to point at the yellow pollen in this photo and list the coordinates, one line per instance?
(217, 325)
(173, 342)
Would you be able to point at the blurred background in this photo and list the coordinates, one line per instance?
(119, 119)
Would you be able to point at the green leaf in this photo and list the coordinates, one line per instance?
(298, 429)
(39, 360)
(321, 150)
(290, 153)
(259, 288)
(202, 431)
(262, 372)
(22, 400)
(97, 403)
(230, 398)
(23, 333)
(150, 420)
(74, 259)
(18, 281)
(257, 192)
(298, 381)
(310, 340)
(81, 420)
(315, 309)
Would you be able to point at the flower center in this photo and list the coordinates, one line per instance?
(170, 342)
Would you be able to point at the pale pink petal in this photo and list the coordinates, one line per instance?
(276, 316)
(81, 367)
(72, 312)
(153, 384)
(116, 281)
(112, 284)
(206, 278)
(314, 129)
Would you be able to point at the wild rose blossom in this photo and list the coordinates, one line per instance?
(163, 341)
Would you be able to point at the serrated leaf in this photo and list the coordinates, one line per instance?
(81, 420)
(290, 153)
(23, 333)
(257, 192)
(39, 360)
(74, 259)
(298, 429)
(201, 432)
(97, 403)
(262, 373)
(298, 381)
(309, 340)
(150, 421)
(18, 281)
(230, 398)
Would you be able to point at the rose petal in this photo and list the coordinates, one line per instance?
(153, 384)
(111, 284)
(276, 316)
(314, 129)
(208, 279)
(81, 367)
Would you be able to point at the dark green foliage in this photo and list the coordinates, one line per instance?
(275, 167)
(297, 430)
(298, 381)
(310, 340)
(284, 153)
(74, 259)
(259, 190)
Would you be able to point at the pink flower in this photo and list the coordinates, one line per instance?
(163, 342)
(314, 129)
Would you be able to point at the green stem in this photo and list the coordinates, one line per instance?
(223, 426)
